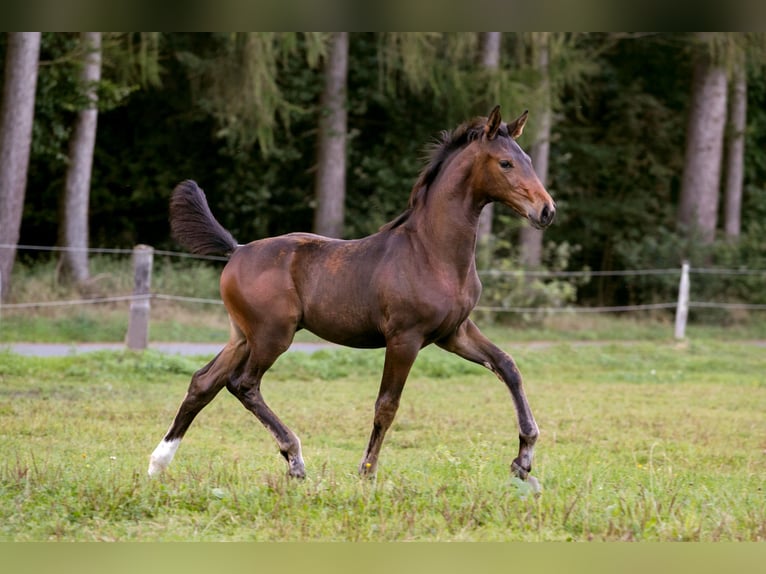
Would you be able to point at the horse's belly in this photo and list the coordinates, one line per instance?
(343, 333)
(344, 320)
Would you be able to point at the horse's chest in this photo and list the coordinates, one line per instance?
(452, 301)
(465, 291)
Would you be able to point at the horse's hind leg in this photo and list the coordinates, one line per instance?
(204, 386)
(247, 388)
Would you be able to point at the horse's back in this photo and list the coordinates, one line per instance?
(324, 285)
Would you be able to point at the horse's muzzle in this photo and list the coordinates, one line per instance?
(546, 217)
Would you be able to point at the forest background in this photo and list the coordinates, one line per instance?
(650, 143)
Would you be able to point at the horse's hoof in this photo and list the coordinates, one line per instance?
(367, 470)
(516, 470)
(297, 472)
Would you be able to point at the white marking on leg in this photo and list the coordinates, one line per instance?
(162, 455)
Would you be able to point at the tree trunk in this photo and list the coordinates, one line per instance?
(490, 60)
(735, 154)
(698, 207)
(73, 233)
(16, 118)
(532, 239)
(331, 168)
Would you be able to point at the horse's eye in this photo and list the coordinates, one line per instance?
(505, 164)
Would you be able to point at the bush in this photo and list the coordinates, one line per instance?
(508, 286)
(37, 281)
(666, 249)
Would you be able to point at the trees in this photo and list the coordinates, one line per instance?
(698, 205)
(719, 71)
(330, 186)
(735, 149)
(490, 62)
(617, 155)
(16, 116)
(73, 231)
(531, 249)
(239, 112)
(235, 78)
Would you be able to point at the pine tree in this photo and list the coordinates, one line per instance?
(698, 207)
(73, 231)
(330, 188)
(16, 117)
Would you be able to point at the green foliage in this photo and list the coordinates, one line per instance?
(749, 255)
(439, 78)
(664, 249)
(237, 112)
(134, 58)
(617, 161)
(186, 278)
(103, 322)
(238, 82)
(507, 285)
(56, 95)
(58, 98)
(113, 275)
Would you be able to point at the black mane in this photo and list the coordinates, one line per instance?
(437, 153)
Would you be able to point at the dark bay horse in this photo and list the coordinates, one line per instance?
(411, 284)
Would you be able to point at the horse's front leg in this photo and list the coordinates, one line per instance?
(471, 344)
(400, 355)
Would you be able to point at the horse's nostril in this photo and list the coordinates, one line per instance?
(547, 214)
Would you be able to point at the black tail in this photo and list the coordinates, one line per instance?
(192, 223)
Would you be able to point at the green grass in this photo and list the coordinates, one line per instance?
(647, 441)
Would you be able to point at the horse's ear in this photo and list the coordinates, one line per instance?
(493, 123)
(517, 126)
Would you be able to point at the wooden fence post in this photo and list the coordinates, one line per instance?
(682, 310)
(138, 322)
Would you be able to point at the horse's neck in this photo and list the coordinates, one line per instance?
(447, 224)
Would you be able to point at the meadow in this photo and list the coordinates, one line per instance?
(640, 441)
(642, 438)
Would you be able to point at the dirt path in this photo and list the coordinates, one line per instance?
(67, 349)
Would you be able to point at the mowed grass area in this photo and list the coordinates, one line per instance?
(650, 441)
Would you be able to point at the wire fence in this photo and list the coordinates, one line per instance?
(107, 251)
(681, 305)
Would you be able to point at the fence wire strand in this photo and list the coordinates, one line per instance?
(568, 309)
(109, 251)
(554, 274)
(483, 273)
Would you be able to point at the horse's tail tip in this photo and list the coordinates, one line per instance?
(187, 185)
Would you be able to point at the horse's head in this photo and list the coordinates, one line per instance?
(505, 172)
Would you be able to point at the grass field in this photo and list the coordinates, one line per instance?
(650, 441)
